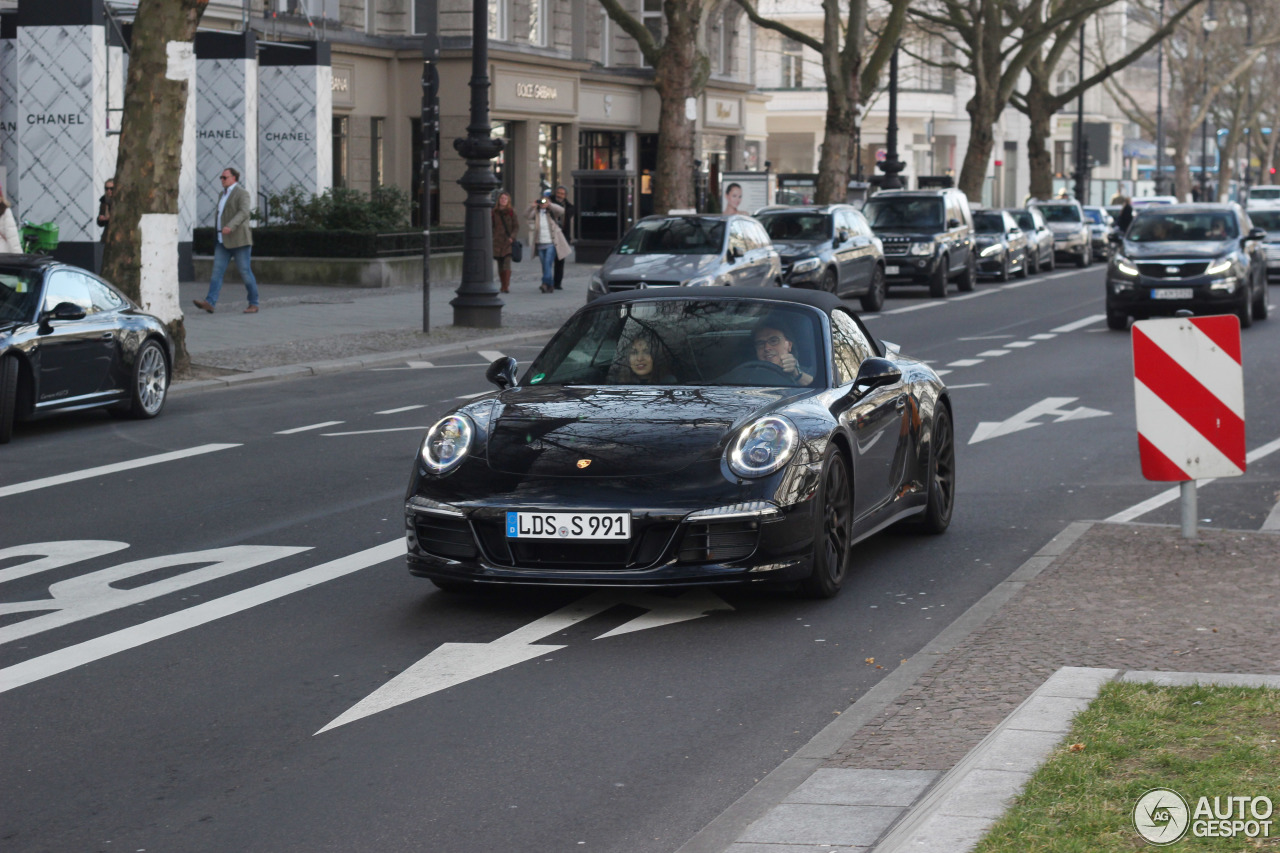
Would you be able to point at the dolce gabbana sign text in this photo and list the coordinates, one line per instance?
(536, 91)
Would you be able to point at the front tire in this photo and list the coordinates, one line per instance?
(1262, 304)
(938, 284)
(1022, 268)
(1117, 321)
(873, 299)
(942, 474)
(831, 281)
(8, 396)
(1003, 275)
(970, 279)
(832, 530)
(149, 386)
(1245, 311)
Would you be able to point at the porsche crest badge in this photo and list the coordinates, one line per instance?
(583, 463)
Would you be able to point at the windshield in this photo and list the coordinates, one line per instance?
(1153, 227)
(904, 213)
(1094, 215)
(1264, 194)
(688, 235)
(682, 342)
(1266, 219)
(19, 295)
(796, 226)
(1060, 213)
(988, 223)
(1024, 220)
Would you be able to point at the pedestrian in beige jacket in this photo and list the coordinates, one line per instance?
(546, 237)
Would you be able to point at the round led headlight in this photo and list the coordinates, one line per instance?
(447, 443)
(763, 447)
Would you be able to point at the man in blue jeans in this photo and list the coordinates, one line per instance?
(547, 238)
(235, 241)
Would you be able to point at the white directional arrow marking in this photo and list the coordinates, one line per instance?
(455, 663)
(1026, 418)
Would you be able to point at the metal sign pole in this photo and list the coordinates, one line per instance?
(1188, 494)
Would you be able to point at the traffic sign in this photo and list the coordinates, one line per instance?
(1189, 394)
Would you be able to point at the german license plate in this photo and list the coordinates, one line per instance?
(890, 270)
(569, 525)
(1172, 293)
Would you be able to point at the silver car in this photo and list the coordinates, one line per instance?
(690, 250)
(1071, 236)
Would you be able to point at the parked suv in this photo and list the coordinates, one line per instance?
(1205, 258)
(828, 247)
(1071, 236)
(689, 250)
(927, 236)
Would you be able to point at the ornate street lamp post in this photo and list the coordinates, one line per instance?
(477, 302)
(891, 165)
(1210, 24)
(1160, 109)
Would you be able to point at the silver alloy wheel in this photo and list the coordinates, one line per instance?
(152, 376)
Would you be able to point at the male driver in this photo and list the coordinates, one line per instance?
(234, 241)
(775, 346)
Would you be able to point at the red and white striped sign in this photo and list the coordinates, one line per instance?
(1189, 391)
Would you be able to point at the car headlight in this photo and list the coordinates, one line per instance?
(1220, 265)
(991, 250)
(922, 248)
(597, 284)
(700, 281)
(1227, 284)
(1124, 266)
(447, 443)
(807, 265)
(763, 447)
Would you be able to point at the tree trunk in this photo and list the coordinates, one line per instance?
(837, 142)
(680, 74)
(1040, 113)
(982, 118)
(150, 158)
(1181, 168)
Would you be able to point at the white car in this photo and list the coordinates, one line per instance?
(1267, 196)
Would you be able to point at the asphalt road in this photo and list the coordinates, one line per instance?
(237, 659)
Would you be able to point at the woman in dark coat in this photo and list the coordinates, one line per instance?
(506, 228)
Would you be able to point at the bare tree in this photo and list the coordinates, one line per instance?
(851, 76)
(681, 69)
(1039, 103)
(998, 39)
(150, 155)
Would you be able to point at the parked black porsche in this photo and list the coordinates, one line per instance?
(1205, 258)
(665, 439)
(69, 341)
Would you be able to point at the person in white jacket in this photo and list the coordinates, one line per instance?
(10, 243)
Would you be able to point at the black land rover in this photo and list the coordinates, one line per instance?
(927, 236)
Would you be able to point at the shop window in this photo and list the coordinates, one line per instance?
(499, 15)
(601, 150)
(549, 148)
(377, 151)
(538, 14)
(341, 141)
(606, 38)
(653, 19)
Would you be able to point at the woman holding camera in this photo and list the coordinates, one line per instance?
(546, 237)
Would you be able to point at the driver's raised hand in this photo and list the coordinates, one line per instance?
(788, 362)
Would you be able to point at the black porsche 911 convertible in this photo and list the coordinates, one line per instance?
(675, 437)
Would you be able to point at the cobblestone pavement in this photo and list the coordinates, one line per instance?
(1125, 596)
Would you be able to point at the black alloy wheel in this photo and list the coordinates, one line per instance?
(1022, 267)
(8, 396)
(970, 278)
(832, 530)
(1004, 273)
(942, 474)
(831, 281)
(938, 284)
(1032, 264)
(873, 299)
(1245, 310)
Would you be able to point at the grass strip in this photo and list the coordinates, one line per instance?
(1200, 741)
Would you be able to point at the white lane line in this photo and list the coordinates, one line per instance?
(88, 473)
(965, 362)
(1080, 324)
(1043, 336)
(473, 396)
(919, 306)
(969, 385)
(320, 425)
(401, 409)
(44, 666)
(408, 365)
(1019, 344)
(942, 372)
(1171, 495)
(993, 353)
(371, 431)
(986, 338)
(489, 355)
(1015, 285)
(1273, 518)
(973, 295)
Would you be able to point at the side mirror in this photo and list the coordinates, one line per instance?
(63, 311)
(874, 373)
(953, 223)
(502, 372)
(1115, 237)
(735, 252)
(1255, 233)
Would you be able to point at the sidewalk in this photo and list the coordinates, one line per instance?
(1100, 601)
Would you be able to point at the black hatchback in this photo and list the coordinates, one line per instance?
(70, 341)
(1205, 258)
(829, 248)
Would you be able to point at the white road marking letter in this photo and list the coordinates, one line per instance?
(54, 555)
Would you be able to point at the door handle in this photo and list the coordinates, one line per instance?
(106, 336)
(901, 402)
